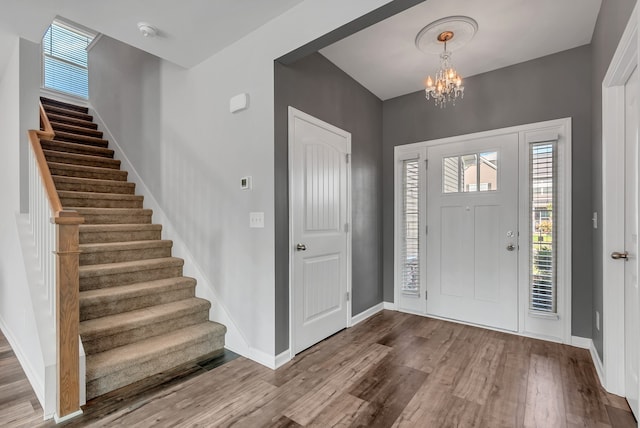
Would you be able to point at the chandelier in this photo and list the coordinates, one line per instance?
(447, 86)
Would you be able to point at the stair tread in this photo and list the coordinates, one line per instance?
(95, 181)
(92, 210)
(86, 168)
(84, 158)
(113, 360)
(67, 112)
(114, 324)
(63, 104)
(129, 291)
(85, 138)
(92, 271)
(98, 195)
(65, 127)
(123, 227)
(127, 245)
(72, 120)
(68, 147)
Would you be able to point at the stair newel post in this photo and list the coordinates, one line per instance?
(67, 312)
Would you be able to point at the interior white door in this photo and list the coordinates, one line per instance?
(320, 193)
(472, 240)
(631, 296)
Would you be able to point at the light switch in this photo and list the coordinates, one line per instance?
(256, 219)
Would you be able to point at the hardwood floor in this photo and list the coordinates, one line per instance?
(392, 370)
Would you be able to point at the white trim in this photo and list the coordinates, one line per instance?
(597, 363)
(581, 342)
(556, 328)
(623, 63)
(282, 358)
(389, 306)
(68, 417)
(366, 314)
(94, 41)
(64, 97)
(293, 112)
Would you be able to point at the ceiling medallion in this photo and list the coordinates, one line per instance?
(447, 85)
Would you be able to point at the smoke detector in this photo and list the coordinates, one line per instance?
(147, 29)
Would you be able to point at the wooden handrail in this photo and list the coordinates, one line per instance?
(67, 281)
(47, 133)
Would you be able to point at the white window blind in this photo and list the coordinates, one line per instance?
(543, 194)
(64, 60)
(410, 262)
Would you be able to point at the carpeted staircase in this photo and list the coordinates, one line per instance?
(138, 315)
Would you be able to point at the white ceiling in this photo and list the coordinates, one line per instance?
(385, 60)
(190, 30)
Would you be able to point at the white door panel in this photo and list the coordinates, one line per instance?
(319, 188)
(631, 296)
(472, 275)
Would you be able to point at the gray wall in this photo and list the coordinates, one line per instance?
(547, 88)
(317, 87)
(612, 20)
(124, 87)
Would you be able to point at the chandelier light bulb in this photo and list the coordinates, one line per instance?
(448, 83)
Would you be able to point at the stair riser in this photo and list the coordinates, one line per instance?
(50, 102)
(63, 127)
(104, 237)
(131, 374)
(126, 278)
(116, 218)
(123, 255)
(80, 149)
(72, 121)
(67, 113)
(72, 138)
(155, 329)
(100, 203)
(74, 159)
(114, 175)
(106, 308)
(120, 187)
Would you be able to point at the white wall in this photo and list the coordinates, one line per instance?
(191, 152)
(18, 320)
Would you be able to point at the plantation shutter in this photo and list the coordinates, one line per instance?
(64, 59)
(543, 250)
(410, 225)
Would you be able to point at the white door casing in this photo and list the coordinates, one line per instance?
(631, 296)
(472, 243)
(548, 326)
(623, 63)
(320, 260)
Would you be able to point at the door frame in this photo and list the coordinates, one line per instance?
(292, 114)
(622, 65)
(561, 128)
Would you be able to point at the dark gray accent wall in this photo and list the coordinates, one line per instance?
(612, 20)
(319, 88)
(551, 87)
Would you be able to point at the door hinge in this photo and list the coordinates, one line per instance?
(346, 227)
(426, 164)
(426, 230)
(347, 157)
(347, 296)
(425, 295)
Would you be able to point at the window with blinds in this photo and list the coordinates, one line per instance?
(64, 60)
(542, 181)
(410, 223)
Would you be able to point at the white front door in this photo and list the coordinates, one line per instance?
(319, 216)
(631, 296)
(472, 238)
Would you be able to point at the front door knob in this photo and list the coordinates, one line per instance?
(511, 247)
(617, 256)
(301, 247)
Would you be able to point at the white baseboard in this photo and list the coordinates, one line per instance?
(389, 306)
(597, 363)
(282, 358)
(366, 314)
(581, 342)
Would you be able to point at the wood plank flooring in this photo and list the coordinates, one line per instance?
(393, 370)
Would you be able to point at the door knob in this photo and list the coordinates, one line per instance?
(511, 247)
(617, 256)
(301, 247)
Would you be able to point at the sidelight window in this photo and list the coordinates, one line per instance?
(410, 251)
